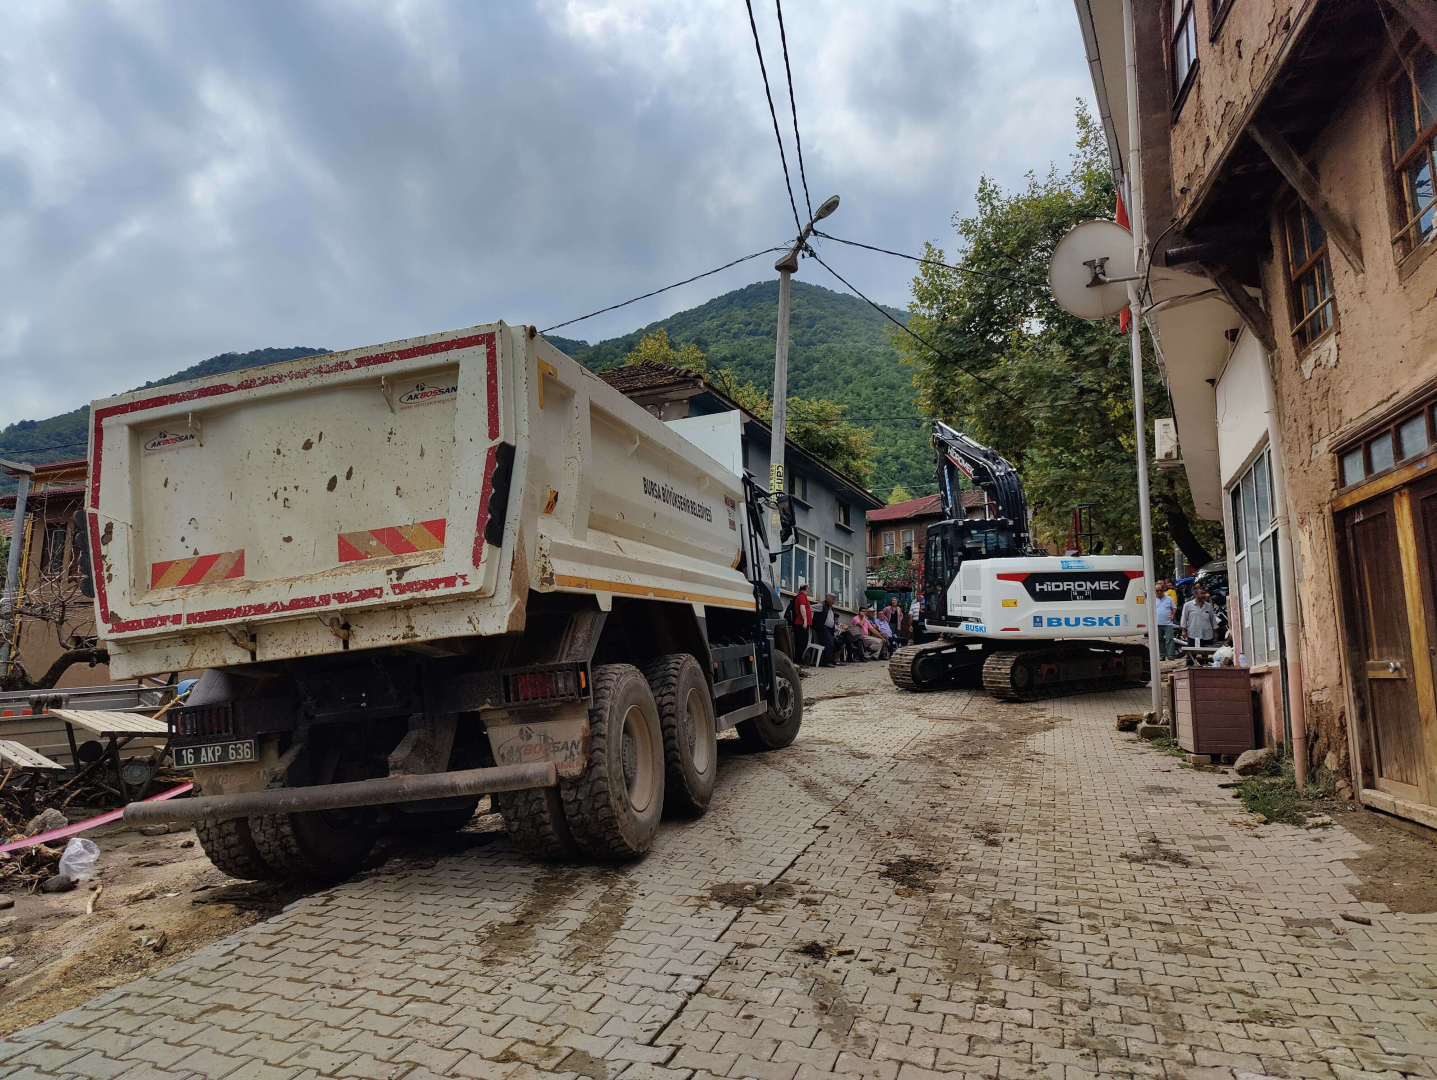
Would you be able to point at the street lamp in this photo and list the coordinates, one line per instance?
(786, 267)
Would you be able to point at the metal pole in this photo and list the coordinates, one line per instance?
(12, 564)
(777, 482)
(1135, 338)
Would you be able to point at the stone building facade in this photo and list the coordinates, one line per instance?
(1278, 157)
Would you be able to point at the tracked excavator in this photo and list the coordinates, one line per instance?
(1029, 624)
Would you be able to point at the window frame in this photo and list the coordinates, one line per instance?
(1182, 21)
(905, 541)
(1389, 430)
(889, 538)
(1217, 15)
(805, 545)
(1261, 549)
(842, 514)
(51, 561)
(845, 563)
(1424, 140)
(1319, 259)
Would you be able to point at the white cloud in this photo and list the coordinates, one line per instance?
(177, 180)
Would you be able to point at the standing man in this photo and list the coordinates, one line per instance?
(1199, 619)
(802, 620)
(1167, 620)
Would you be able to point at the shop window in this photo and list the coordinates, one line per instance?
(799, 564)
(1412, 124)
(1255, 589)
(1313, 309)
(1413, 435)
(1183, 53)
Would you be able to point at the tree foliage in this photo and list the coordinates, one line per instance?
(899, 494)
(815, 424)
(1049, 392)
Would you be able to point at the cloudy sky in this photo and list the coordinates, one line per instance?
(182, 179)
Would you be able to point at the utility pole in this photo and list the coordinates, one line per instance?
(786, 267)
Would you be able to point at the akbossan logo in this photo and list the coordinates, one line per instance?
(424, 394)
(170, 440)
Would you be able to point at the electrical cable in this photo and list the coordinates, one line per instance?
(797, 142)
(932, 262)
(666, 288)
(774, 114)
(39, 449)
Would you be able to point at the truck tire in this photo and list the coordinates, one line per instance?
(613, 807)
(779, 726)
(535, 822)
(311, 846)
(686, 717)
(231, 847)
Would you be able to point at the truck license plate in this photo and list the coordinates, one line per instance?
(224, 753)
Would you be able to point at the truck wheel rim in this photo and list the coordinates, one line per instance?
(695, 719)
(638, 759)
(783, 693)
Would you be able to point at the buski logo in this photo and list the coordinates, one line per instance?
(1052, 621)
(1077, 586)
(170, 440)
(425, 394)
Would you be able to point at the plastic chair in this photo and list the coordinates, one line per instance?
(812, 655)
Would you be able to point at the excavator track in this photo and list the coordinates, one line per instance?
(924, 667)
(1033, 674)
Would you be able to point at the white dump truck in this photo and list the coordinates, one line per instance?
(427, 571)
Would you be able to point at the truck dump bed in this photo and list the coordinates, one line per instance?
(391, 495)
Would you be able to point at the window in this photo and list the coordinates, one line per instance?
(52, 556)
(1254, 535)
(1310, 294)
(1412, 122)
(840, 572)
(888, 543)
(798, 486)
(1184, 47)
(840, 515)
(907, 542)
(1217, 13)
(799, 565)
(1411, 436)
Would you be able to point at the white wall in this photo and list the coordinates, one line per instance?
(1244, 401)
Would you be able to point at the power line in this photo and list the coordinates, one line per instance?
(40, 449)
(774, 114)
(878, 308)
(666, 288)
(932, 262)
(797, 142)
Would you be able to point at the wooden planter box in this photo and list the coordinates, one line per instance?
(1212, 710)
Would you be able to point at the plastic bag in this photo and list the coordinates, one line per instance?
(78, 861)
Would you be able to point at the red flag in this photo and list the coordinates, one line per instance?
(1121, 216)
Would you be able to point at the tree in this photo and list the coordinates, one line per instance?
(657, 348)
(898, 495)
(815, 424)
(1049, 392)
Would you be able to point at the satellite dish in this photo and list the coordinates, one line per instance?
(1085, 265)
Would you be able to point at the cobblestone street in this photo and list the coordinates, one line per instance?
(922, 884)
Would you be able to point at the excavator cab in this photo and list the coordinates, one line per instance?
(952, 543)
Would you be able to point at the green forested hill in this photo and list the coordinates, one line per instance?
(840, 348)
(65, 436)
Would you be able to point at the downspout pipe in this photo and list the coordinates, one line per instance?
(1287, 585)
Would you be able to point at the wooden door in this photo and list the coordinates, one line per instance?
(1381, 652)
(1421, 561)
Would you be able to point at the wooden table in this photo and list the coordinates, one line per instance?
(118, 728)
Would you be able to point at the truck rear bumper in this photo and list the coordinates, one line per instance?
(388, 789)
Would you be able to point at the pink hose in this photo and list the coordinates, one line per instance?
(90, 823)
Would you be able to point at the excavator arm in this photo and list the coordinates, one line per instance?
(956, 453)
